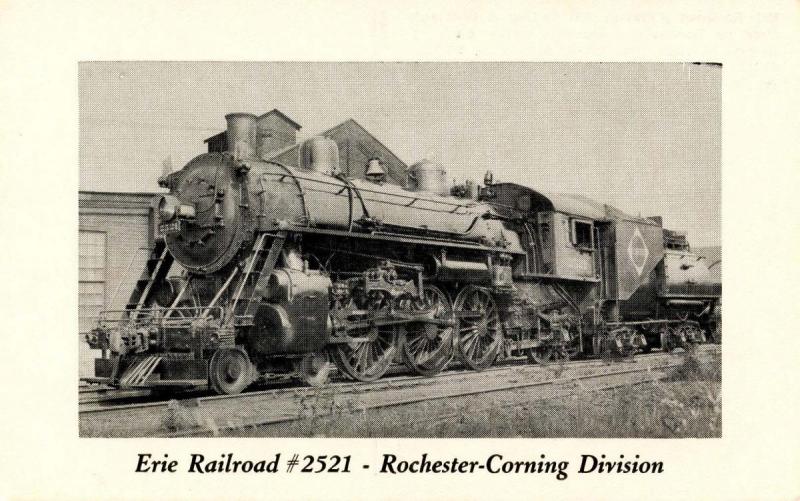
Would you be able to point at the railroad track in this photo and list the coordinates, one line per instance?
(90, 396)
(211, 415)
(109, 398)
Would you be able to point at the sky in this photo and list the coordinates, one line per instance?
(643, 137)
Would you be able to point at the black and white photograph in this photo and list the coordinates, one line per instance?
(400, 249)
(351, 250)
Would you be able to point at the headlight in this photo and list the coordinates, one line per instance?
(169, 207)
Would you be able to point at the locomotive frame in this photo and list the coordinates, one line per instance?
(289, 269)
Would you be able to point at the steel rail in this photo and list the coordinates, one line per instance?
(347, 385)
(413, 399)
(97, 396)
(382, 384)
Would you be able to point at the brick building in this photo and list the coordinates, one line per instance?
(274, 128)
(115, 235)
(115, 238)
(356, 145)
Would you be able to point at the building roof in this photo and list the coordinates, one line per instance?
(353, 122)
(350, 122)
(285, 118)
(112, 200)
(274, 111)
(272, 155)
(215, 136)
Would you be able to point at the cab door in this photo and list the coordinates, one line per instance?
(604, 265)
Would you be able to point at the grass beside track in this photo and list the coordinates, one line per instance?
(685, 404)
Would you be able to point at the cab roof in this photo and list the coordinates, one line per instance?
(575, 205)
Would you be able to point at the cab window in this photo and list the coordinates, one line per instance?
(582, 234)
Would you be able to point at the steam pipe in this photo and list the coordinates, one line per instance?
(685, 302)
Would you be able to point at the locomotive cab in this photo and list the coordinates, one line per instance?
(562, 233)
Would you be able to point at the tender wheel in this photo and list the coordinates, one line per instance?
(683, 316)
(230, 371)
(480, 335)
(367, 360)
(541, 355)
(566, 353)
(716, 333)
(428, 347)
(616, 344)
(690, 336)
(314, 369)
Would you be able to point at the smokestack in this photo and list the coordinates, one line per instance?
(241, 134)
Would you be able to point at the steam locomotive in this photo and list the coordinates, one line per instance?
(290, 269)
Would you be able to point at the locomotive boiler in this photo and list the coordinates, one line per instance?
(289, 269)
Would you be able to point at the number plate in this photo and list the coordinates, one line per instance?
(167, 228)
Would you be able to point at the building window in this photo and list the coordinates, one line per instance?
(582, 234)
(92, 278)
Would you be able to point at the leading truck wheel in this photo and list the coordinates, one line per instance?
(479, 334)
(230, 371)
(314, 369)
(428, 346)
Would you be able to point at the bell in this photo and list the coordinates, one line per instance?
(375, 170)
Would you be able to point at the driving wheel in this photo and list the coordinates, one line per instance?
(369, 355)
(428, 346)
(479, 334)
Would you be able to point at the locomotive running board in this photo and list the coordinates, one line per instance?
(137, 374)
(389, 237)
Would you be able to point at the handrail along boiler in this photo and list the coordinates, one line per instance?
(287, 268)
